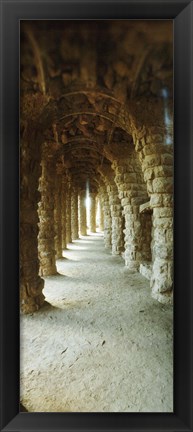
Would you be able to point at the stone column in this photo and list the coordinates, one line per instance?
(107, 217)
(156, 156)
(58, 216)
(101, 215)
(92, 227)
(46, 244)
(63, 210)
(117, 219)
(74, 213)
(68, 213)
(82, 213)
(132, 193)
(31, 284)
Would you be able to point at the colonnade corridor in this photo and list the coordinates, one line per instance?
(100, 343)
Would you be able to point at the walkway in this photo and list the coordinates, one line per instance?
(101, 343)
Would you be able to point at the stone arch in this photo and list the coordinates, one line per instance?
(85, 124)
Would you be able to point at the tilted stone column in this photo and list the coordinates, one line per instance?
(74, 213)
(31, 284)
(92, 227)
(46, 243)
(68, 213)
(82, 213)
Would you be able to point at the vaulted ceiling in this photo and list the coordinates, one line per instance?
(91, 73)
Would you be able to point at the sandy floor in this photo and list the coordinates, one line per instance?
(101, 343)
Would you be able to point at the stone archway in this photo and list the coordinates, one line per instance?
(102, 119)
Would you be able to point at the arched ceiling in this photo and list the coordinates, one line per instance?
(91, 71)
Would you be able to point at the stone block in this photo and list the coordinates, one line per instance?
(163, 222)
(149, 174)
(163, 171)
(167, 200)
(130, 178)
(163, 251)
(131, 193)
(120, 170)
(150, 149)
(167, 159)
(128, 209)
(169, 235)
(149, 187)
(139, 145)
(159, 234)
(119, 178)
(121, 195)
(151, 161)
(163, 212)
(125, 201)
(162, 184)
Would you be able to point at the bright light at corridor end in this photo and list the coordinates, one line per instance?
(87, 200)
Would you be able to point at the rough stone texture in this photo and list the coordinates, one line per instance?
(63, 210)
(107, 217)
(74, 213)
(68, 213)
(92, 210)
(132, 193)
(58, 216)
(31, 285)
(146, 236)
(46, 243)
(117, 218)
(102, 100)
(101, 215)
(146, 270)
(157, 165)
(82, 212)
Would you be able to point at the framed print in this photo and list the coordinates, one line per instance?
(96, 215)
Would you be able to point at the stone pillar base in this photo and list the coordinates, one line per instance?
(164, 298)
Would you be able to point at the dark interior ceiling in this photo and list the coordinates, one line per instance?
(91, 72)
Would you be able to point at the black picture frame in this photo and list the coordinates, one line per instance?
(182, 14)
